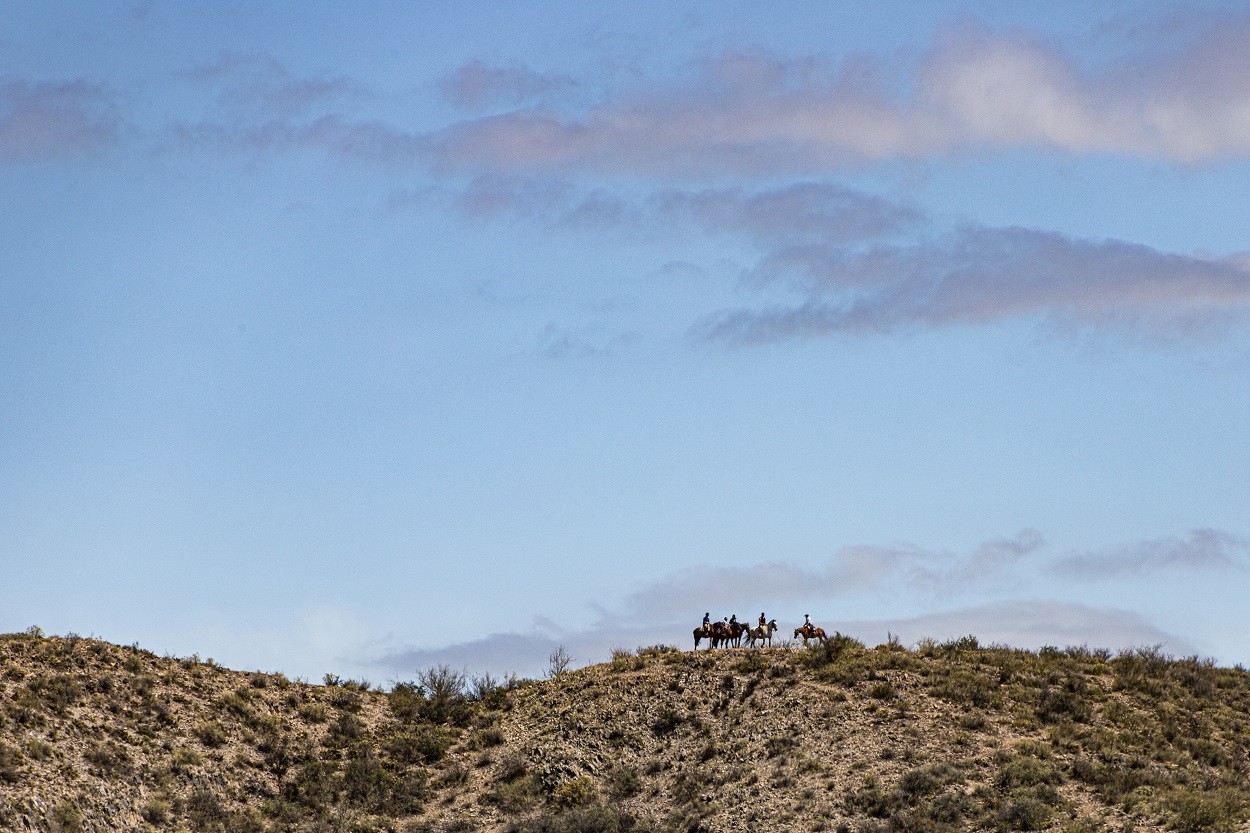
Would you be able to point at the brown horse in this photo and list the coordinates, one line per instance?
(764, 633)
(715, 634)
(700, 633)
(809, 632)
(734, 633)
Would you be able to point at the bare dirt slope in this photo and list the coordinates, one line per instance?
(97, 737)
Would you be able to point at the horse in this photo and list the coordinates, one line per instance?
(734, 633)
(700, 633)
(715, 634)
(764, 633)
(809, 632)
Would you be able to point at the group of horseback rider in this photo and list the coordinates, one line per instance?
(729, 631)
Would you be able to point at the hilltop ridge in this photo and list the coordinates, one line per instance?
(840, 737)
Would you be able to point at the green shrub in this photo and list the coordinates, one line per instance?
(407, 794)
(832, 649)
(205, 808)
(10, 764)
(36, 749)
(181, 758)
(779, 745)
(1197, 809)
(491, 692)
(1065, 701)
(345, 699)
(514, 793)
(312, 784)
(667, 722)
(592, 819)
(871, 800)
(314, 712)
(157, 811)
(211, 733)
(973, 721)
(425, 744)
(961, 645)
(1022, 771)
(344, 732)
(57, 692)
(967, 688)
(660, 651)
(440, 695)
(1023, 812)
(238, 704)
(1141, 669)
(365, 782)
(488, 738)
(927, 780)
(110, 759)
(623, 659)
(454, 775)
(623, 782)
(442, 682)
(66, 818)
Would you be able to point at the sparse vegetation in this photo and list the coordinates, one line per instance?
(948, 736)
(558, 663)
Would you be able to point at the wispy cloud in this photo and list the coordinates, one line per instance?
(367, 140)
(1023, 623)
(42, 120)
(833, 260)
(478, 84)
(259, 86)
(528, 198)
(1027, 623)
(982, 274)
(527, 652)
(840, 261)
(800, 212)
(262, 106)
(660, 611)
(974, 89)
(586, 342)
(796, 213)
(748, 112)
(855, 569)
(1201, 549)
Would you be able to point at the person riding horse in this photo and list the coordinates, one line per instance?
(707, 623)
(809, 631)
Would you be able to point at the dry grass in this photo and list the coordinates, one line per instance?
(841, 737)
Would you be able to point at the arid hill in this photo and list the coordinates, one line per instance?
(951, 736)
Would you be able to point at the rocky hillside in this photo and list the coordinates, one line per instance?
(952, 736)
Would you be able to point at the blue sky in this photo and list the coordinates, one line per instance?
(358, 339)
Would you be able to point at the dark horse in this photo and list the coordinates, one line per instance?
(809, 632)
(734, 632)
(715, 634)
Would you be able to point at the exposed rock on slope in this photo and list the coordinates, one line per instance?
(945, 737)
